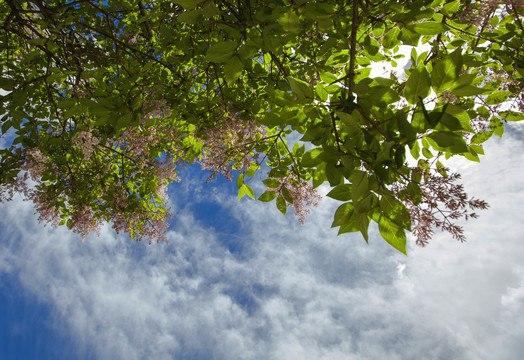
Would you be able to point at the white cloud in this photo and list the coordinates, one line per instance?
(287, 291)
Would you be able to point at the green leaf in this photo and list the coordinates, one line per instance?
(312, 158)
(448, 141)
(222, 51)
(390, 39)
(497, 126)
(418, 86)
(393, 234)
(248, 191)
(341, 192)
(429, 28)
(281, 205)
(360, 182)
(321, 92)
(451, 7)
(240, 180)
(511, 115)
(271, 183)
(498, 97)
(343, 214)
(268, 196)
(481, 137)
(415, 193)
(233, 69)
(287, 195)
(468, 90)
(396, 211)
(290, 22)
(241, 192)
(301, 88)
(446, 72)
(7, 84)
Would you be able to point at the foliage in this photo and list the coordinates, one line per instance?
(107, 99)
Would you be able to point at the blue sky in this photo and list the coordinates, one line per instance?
(240, 281)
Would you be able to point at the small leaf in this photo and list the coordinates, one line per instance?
(498, 97)
(271, 183)
(396, 211)
(241, 192)
(240, 180)
(268, 196)
(511, 115)
(451, 7)
(497, 126)
(281, 205)
(248, 191)
(468, 90)
(287, 195)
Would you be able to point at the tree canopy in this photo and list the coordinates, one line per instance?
(104, 101)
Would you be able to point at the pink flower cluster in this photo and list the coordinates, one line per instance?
(229, 145)
(86, 142)
(35, 163)
(302, 194)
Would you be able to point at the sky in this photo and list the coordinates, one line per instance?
(240, 281)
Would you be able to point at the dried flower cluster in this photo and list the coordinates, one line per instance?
(442, 202)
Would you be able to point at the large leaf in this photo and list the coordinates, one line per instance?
(448, 141)
(393, 234)
(418, 86)
(429, 28)
(341, 192)
(232, 69)
(360, 184)
(301, 88)
(446, 72)
(221, 52)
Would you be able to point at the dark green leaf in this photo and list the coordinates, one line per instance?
(221, 52)
(341, 192)
(232, 69)
(268, 196)
(281, 204)
(272, 183)
(449, 142)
